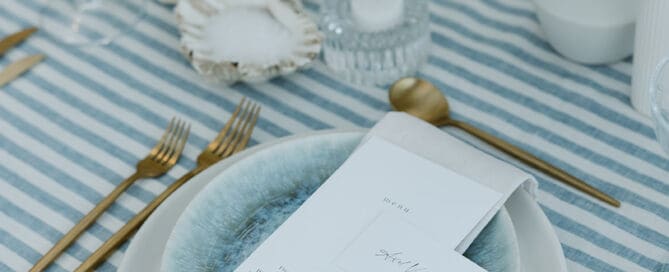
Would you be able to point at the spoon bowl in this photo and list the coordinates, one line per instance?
(421, 99)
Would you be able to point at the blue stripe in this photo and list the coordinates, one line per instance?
(619, 192)
(322, 102)
(172, 78)
(43, 229)
(521, 55)
(600, 240)
(543, 45)
(212, 123)
(589, 206)
(581, 101)
(561, 93)
(577, 124)
(358, 95)
(107, 265)
(23, 250)
(49, 200)
(333, 108)
(280, 82)
(62, 178)
(577, 149)
(615, 142)
(86, 134)
(625, 98)
(130, 105)
(173, 54)
(72, 155)
(588, 261)
(512, 10)
(281, 107)
(108, 94)
(4, 267)
(644, 233)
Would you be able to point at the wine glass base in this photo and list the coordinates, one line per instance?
(90, 22)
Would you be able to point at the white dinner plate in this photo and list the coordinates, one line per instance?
(538, 245)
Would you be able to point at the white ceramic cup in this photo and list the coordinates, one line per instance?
(589, 31)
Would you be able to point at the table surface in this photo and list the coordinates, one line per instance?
(74, 127)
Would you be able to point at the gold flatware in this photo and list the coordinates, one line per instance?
(14, 39)
(423, 100)
(227, 143)
(15, 69)
(160, 159)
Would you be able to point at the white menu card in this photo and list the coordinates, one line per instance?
(384, 206)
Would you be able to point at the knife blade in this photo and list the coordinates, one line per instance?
(15, 69)
(14, 39)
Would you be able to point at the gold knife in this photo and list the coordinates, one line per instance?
(15, 69)
(14, 39)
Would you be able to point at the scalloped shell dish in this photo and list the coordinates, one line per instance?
(246, 40)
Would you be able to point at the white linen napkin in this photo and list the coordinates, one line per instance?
(433, 144)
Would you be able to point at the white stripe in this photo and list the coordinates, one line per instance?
(121, 141)
(120, 87)
(605, 228)
(632, 213)
(566, 108)
(285, 96)
(116, 258)
(36, 241)
(557, 128)
(44, 213)
(547, 76)
(12, 260)
(279, 94)
(533, 28)
(74, 170)
(37, 179)
(594, 251)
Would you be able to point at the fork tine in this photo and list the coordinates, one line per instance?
(249, 132)
(164, 149)
(173, 143)
(221, 135)
(240, 133)
(155, 150)
(220, 150)
(183, 138)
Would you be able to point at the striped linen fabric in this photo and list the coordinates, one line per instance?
(75, 126)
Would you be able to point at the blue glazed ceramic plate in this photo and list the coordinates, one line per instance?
(241, 207)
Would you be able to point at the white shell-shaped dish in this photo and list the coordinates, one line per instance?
(246, 40)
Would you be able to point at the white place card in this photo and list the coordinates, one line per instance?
(391, 244)
(378, 178)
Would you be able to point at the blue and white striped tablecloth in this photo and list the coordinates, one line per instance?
(75, 126)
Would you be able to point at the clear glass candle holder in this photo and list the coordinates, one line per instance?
(377, 57)
(659, 96)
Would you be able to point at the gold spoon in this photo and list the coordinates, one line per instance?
(423, 100)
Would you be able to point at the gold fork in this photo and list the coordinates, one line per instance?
(160, 159)
(227, 142)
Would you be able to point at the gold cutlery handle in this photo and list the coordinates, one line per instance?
(128, 229)
(535, 162)
(83, 224)
(16, 69)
